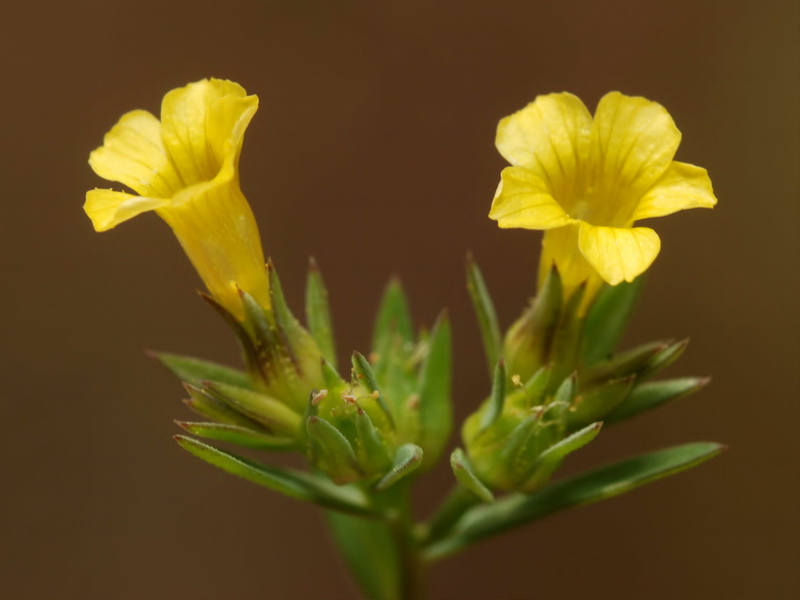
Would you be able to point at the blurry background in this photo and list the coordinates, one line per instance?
(373, 151)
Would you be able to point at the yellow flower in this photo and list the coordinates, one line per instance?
(185, 168)
(586, 181)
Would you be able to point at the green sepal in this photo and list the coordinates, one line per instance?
(608, 318)
(626, 363)
(370, 450)
(647, 396)
(195, 371)
(236, 434)
(595, 403)
(258, 319)
(364, 373)
(565, 351)
(529, 341)
(407, 459)
(331, 452)
(549, 460)
(496, 399)
(663, 359)
(434, 388)
(606, 482)
(249, 350)
(318, 313)
(485, 312)
(462, 469)
(204, 404)
(288, 326)
(292, 483)
(272, 413)
(331, 376)
(393, 321)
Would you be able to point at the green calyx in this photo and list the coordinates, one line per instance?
(388, 419)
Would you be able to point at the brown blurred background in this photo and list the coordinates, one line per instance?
(373, 151)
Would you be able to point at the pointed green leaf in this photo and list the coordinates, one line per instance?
(194, 370)
(285, 320)
(318, 313)
(296, 484)
(550, 460)
(663, 359)
(393, 319)
(236, 434)
(371, 452)
(594, 404)
(629, 362)
(649, 395)
(332, 452)
(608, 318)
(462, 469)
(485, 312)
(606, 482)
(268, 411)
(364, 373)
(407, 459)
(205, 405)
(497, 398)
(251, 353)
(435, 383)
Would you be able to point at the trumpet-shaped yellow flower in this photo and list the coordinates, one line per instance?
(587, 180)
(185, 168)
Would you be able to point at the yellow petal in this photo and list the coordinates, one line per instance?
(632, 144)
(215, 225)
(203, 127)
(107, 208)
(524, 200)
(618, 253)
(682, 186)
(133, 154)
(550, 137)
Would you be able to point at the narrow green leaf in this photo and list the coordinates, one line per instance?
(629, 362)
(407, 459)
(550, 460)
(331, 376)
(608, 318)
(663, 359)
(647, 396)
(205, 405)
(276, 415)
(462, 469)
(364, 373)
(194, 370)
(497, 398)
(393, 319)
(435, 384)
(332, 452)
(606, 482)
(371, 452)
(295, 484)
(285, 320)
(485, 312)
(251, 353)
(595, 403)
(236, 434)
(318, 313)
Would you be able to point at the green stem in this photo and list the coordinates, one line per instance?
(412, 572)
(459, 501)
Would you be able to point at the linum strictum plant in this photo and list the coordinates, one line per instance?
(370, 428)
